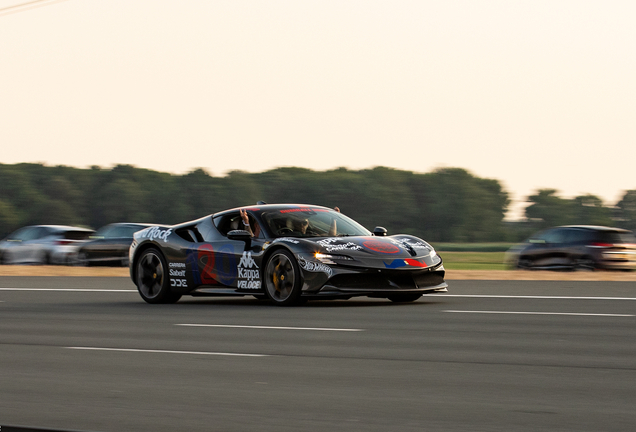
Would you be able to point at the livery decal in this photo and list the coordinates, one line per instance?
(303, 210)
(381, 246)
(336, 244)
(408, 243)
(313, 266)
(211, 267)
(152, 233)
(249, 276)
(397, 263)
(285, 239)
(177, 275)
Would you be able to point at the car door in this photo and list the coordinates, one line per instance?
(115, 243)
(560, 242)
(223, 261)
(31, 248)
(545, 248)
(16, 248)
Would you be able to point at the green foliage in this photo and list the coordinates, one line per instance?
(472, 247)
(548, 210)
(626, 211)
(473, 260)
(446, 205)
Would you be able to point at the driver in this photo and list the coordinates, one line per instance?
(302, 225)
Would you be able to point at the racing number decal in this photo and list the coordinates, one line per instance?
(212, 267)
(206, 260)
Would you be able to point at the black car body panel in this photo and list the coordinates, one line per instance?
(213, 256)
(110, 244)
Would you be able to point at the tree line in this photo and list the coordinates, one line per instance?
(446, 205)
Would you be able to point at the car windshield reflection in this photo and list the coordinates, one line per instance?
(311, 222)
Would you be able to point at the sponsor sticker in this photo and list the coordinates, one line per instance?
(153, 233)
(406, 243)
(286, 240)
(249, 276)
(316, 267)
(335, 244)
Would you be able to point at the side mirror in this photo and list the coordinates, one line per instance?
(241, 235)
(379, 231)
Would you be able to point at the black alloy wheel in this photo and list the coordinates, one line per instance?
(152, 280)
(524, 263)
(585, 264)
(282, 278)
(82, 259)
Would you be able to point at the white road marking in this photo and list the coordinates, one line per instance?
(66, 289)
(168, 351)
(539, 313)
(271, 327)
(532, 297)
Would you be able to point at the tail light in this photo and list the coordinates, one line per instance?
(601, 245)
(63, 242)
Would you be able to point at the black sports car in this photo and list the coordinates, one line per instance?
(287, 253)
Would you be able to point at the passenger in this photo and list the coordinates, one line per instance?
(246, 223)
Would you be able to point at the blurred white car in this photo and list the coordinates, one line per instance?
(43, 244)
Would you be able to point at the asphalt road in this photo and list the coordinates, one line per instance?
(88, 354)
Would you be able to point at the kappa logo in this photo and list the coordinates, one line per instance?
(247, 261)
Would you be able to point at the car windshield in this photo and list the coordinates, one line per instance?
(311, 222)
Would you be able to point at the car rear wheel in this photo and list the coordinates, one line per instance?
(152, 280)
(282, 279)
(524, 263)
(82, 259)
(404, 298)
(585, 264)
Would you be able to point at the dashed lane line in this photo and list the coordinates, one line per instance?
(168, 351)
(531, 297)
(67, 289)
(271, 327)
(540, 313)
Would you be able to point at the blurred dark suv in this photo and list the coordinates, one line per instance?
(109, 245)
(576, 247)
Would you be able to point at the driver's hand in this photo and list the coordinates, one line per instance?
(243, 213)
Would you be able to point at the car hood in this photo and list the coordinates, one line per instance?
(392, 252)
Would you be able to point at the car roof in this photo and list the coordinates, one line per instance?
(272, 207)
(60, 227)
(595, 228)
(130, 224)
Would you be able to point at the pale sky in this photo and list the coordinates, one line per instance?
(536, 94)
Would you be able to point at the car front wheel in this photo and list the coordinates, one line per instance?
(152, 280)
(282, 278)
